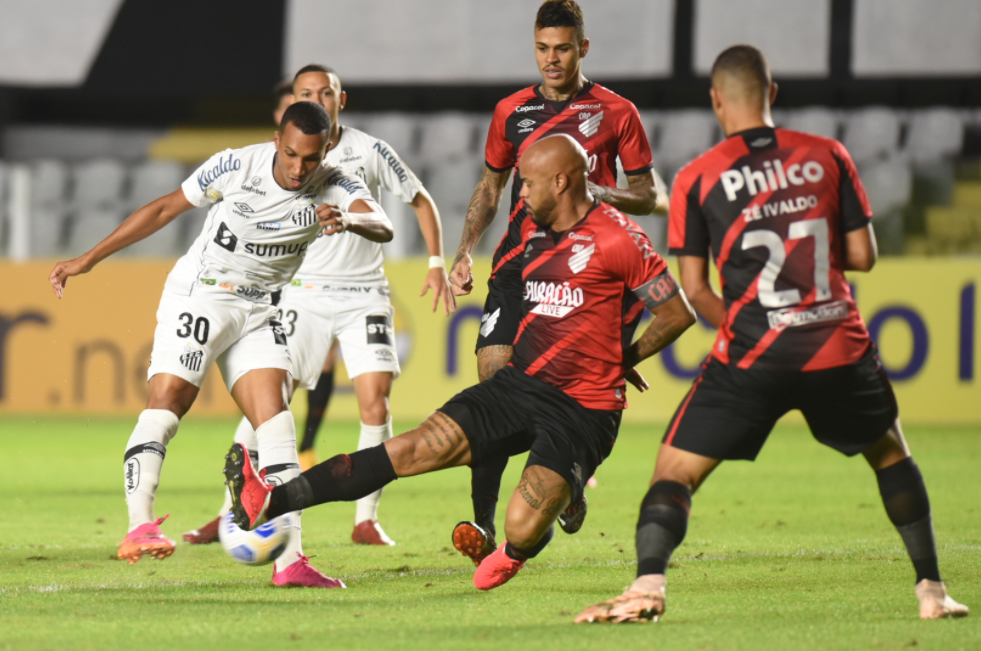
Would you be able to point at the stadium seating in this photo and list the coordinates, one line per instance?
(904, 157)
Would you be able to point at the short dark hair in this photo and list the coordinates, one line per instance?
(309, 117)
(561, 13)
(747, 66)
(315, 67)
(283, 88)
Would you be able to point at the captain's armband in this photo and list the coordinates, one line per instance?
(658, 290)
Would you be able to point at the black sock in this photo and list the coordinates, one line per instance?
(905, 497)
(343, 478)
(316, 406)
(485, 486)
(522, 555)
(662, 525)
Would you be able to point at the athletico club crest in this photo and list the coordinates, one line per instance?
(591, 125)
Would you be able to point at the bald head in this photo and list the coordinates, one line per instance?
(553, 173)
(741, 74)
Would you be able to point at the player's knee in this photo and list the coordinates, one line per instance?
(525, 533)
(375, 413)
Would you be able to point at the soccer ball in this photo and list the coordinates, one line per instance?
(260, 546)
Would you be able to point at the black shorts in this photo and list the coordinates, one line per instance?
(502, 311)
(512, 413)
(729, 412)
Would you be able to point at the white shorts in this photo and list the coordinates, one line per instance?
(362, 322)
(216, 326)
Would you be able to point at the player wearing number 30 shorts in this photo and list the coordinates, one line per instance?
(266, 205)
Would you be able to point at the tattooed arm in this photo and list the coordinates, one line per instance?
(483, 206)
(639, 199)
(672, 316)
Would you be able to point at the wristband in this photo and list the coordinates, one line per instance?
(436, 261)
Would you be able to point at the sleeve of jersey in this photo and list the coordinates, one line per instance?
(344, 189)
(499, 153)
(643, 271)
(687, 229)
(206, 185)
(634, 149)
(395, 175)
(855, 209)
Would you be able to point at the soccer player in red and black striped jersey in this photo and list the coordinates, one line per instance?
(588, 274)
(607, 126)
(784, 215)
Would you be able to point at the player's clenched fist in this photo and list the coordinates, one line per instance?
(63, 270)
(332, 220)
(461, 275)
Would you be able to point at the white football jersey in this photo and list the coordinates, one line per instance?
(257, 233)
(346, 259)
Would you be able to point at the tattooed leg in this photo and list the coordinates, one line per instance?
(436, 444)
(540, 497)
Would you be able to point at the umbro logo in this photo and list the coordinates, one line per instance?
(527, 122)
(244, 207)
(579, 261)
(591, 125)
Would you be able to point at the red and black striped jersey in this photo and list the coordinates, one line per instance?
(604, 123)
(773, 207)
(579, 310)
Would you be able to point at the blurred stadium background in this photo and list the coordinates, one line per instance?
(107, 104)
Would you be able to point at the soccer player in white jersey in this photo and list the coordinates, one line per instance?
(340, 292)
(268, 204)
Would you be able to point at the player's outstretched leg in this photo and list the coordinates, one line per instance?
(438, 443)
(536, 503)
(142, 464)
(907, 504)
(208, 533)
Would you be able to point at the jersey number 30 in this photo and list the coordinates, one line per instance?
(766, 290)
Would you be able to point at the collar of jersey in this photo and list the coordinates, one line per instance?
(560, 106)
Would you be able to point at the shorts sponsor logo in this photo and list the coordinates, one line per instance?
(225, 238)
(384, 355)
(525, 109)
(393, 161)
(276, 250)
(553, 299)
(224, 166)
(379, 330)
(790, 317)
(132, 475)
(771, 178)
(488, 322)
(527, 122)
(192, 359)
(591, 125)
(583, 107)
(253, 293)
(279, 336)
(579, 260)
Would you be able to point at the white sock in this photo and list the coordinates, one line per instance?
(371, 435)
(143, 461)
(245, 435)
(277, 454)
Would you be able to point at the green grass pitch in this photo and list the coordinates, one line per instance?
(792, 552)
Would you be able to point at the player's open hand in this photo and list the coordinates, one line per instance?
(63, 270)
(461, 275)
(437, 280)
(332, 220)
(634, 377)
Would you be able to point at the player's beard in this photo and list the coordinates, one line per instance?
(541, 214)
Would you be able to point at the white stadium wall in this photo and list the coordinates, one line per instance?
(469, 41)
